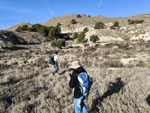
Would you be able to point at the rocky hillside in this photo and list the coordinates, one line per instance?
(9, 38)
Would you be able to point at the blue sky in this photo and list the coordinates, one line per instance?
(13, 12)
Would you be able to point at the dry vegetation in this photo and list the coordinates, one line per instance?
(119, 64)
(27, 86)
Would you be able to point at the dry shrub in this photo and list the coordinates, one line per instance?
(112, 63)
(141, 64)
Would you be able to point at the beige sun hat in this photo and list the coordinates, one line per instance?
(75, 64)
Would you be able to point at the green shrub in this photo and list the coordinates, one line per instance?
(58, 24)
(79, 16)
(69, 34)
(58, 43)
(22, 28)
(99, 25)
(10, 44)
(94, 38)
(126, 38)
(135, 21)
(73, 21)
(85, 30)
(54, 33)
(42, 30)
(81, 38)
(113, 63)
(75, 35)
(112, 27)
(116, 24)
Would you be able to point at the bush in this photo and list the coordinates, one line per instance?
(94, 38)
(58, 43)
(113, 63)
(81, 38)
(85, 30)
(37, 28)
(69, 34)
(54, 33)
(112, 27)
(135, 21)
(75, 35)
(116, 24)
(58, 24)
(126, 38)
(22, 28)
(79, 16)
(10, 44)
(73, 21)
(99, 25)
(42, 30)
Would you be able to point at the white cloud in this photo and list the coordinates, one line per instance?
(49, 8)
(100, 3)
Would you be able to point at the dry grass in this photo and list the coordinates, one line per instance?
(27, 86)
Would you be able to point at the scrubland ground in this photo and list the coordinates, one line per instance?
(120, 71)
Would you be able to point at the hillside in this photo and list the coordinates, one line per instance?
(86, 21)
(118, 62)
(13, 28)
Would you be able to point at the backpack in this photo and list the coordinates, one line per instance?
(84, 83)
(51, 61)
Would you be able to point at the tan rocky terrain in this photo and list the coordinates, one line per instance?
(118, 66)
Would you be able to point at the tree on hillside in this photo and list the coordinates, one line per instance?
(54, 33)
(79, 16)
(116, 24)
(99, 25)
(81, 38)
(94, 38)
(73, 21)
(22, 28)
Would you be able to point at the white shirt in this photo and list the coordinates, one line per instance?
(56, 58)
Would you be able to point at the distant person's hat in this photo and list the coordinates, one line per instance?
(75, 64)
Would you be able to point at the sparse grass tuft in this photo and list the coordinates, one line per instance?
(113, 63)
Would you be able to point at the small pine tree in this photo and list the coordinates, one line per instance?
(81, 38)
